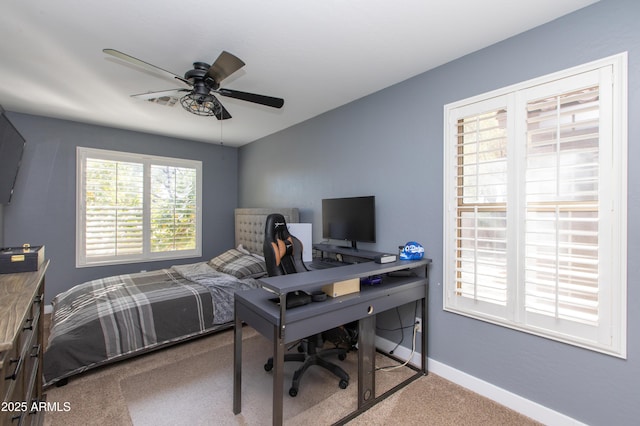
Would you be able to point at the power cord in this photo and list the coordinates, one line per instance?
(413, 351)
(401, 332)
(401, 328)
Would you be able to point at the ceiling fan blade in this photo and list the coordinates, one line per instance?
(224, 66)
(252, 97)
(222, 113)
(160, 94)
(143, 64)
(219, 111)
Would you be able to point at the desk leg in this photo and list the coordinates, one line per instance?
(425, 333)
(366, 361)
(278, 376)
(237, 365)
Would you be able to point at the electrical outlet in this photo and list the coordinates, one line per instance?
(418, 324)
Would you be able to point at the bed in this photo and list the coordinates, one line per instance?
(114, 318)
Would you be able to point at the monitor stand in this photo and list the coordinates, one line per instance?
(352, 251)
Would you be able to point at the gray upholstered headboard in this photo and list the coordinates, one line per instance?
(249, 224)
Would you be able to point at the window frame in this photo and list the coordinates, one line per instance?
(611, 332)
(147, 255)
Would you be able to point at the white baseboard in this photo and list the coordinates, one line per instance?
(515, 402)
(48, 309)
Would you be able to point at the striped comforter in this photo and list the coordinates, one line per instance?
(113, 318)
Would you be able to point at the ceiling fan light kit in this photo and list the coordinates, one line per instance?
(204, 80)
(200, 105)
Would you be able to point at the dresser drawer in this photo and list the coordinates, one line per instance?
(11, 368)
(17, 363)
(31, 367)
(13, 387)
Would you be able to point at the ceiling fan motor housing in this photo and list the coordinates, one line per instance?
(199, 74)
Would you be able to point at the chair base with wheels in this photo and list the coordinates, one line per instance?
(314, 359)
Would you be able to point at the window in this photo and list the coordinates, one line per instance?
(134, 207)
(535, 206)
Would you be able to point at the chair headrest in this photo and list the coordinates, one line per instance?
(282, 251)
(276, 228)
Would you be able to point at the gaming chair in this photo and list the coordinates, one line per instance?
(282, 251)
(283, 255)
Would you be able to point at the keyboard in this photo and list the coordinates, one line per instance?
(324, 263)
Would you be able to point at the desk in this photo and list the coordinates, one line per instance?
(283, 326)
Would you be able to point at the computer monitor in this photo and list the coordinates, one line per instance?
(350, 219)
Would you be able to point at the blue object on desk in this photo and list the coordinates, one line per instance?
(375, 279)
(412, 251)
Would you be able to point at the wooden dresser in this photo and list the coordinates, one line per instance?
(21, 347)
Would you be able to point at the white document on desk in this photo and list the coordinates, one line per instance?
(302, 231)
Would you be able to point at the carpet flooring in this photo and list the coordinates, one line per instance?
(191, 384)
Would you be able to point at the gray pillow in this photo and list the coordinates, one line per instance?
(228, 256)
(246, 266)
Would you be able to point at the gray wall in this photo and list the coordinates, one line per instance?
(390, 145)
(43, 207)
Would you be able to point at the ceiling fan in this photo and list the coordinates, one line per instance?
(203, 81)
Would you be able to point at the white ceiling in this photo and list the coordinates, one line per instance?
(317, 55)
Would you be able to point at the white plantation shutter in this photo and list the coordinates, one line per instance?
(562, 206)
(133, 208)
(535, 210)
(113, 218)
(481, 240)
(173, 208)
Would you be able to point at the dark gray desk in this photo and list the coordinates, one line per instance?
(284, 326)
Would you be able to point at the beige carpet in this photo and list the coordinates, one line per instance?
(191, 384)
